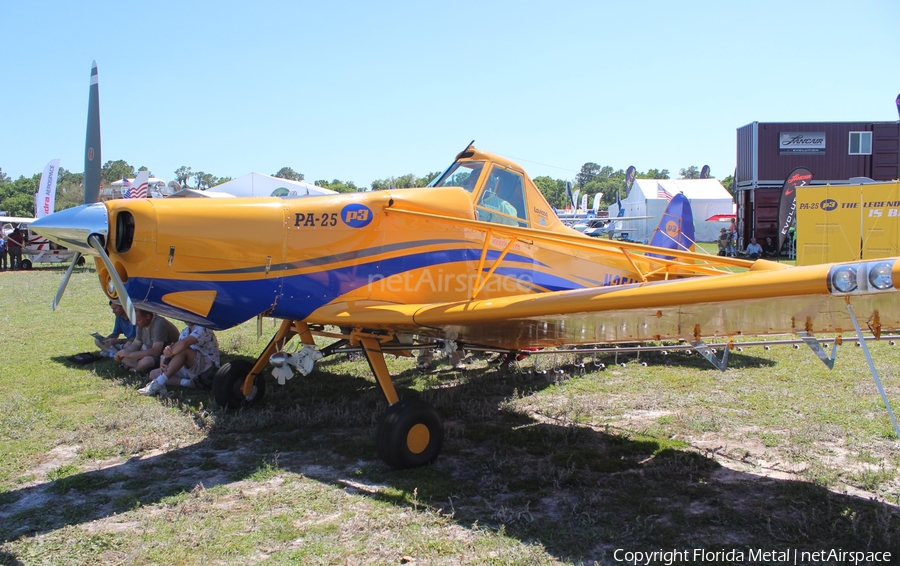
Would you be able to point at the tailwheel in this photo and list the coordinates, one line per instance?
(229, 381)
(410, 434)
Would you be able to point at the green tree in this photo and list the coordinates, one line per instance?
(69, 189)
(407, 181)
(654, 174)
(116, 171)
(692, 172)
(338, 185)
(728, 183)
(587, 174)
(206, 180)
(554, 190)
(288, 173)
(17, 197)
(182, 174)
(4, 178)
(429, 177)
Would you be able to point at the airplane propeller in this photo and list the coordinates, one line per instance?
(65, 281)
(127, 304)
(92, 173)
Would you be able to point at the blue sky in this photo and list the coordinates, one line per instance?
(360, 91)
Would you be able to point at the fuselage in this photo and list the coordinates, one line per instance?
(484, 231)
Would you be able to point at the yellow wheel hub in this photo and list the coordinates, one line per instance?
(417, 438)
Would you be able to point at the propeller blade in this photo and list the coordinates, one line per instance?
(92, 158)
(94, 240)
(65, 281)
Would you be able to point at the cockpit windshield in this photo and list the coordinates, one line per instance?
(461, 174)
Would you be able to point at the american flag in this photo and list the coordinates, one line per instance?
(662, 193)
(130, 191)
(140, 191)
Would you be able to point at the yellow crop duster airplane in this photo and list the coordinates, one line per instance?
(476, 259)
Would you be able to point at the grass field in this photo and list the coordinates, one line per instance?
(558, 461)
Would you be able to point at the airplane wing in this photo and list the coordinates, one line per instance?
(16, 219)
(768, 302)
(627, 218)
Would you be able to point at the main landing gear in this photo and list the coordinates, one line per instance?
(228, 385)
(410, 433)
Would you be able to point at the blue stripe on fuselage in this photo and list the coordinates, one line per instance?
(296, 296)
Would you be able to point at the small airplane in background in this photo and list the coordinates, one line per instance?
(38, 249)
(475, 260)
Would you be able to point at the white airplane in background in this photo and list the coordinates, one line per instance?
(38, 249)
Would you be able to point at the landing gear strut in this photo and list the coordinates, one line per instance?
(410, 433)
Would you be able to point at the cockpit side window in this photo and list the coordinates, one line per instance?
(503, 199)
(461, 174)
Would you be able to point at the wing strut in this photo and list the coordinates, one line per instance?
(862, 343)
(482, 279)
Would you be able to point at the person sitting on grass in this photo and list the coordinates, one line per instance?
(195, 353)
(769, 249)
(111, 344)
(754, 250)
(153, 334)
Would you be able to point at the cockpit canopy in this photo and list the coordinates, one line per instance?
(499, 192)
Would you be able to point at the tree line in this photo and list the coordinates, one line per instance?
(17, 196)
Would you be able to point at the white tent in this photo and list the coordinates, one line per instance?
(194, 193)
(258, 185)
(707, 197)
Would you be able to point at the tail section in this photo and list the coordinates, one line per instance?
(676, 227)
(138, 187)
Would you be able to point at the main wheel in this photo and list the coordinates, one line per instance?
(410, 434)
(26, 264)
(228, 382)
(80, 262)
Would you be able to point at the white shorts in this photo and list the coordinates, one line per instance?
(201, 364)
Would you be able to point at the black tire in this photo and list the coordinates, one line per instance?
(228, 382)
(410, 434)
(26, 264)
(80, 262)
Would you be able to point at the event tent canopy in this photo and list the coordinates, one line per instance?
(648, 198)
(259, 185)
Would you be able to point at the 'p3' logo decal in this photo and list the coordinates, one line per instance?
(356, 215)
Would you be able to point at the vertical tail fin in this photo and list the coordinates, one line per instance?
(138, 188)
(676, 227)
